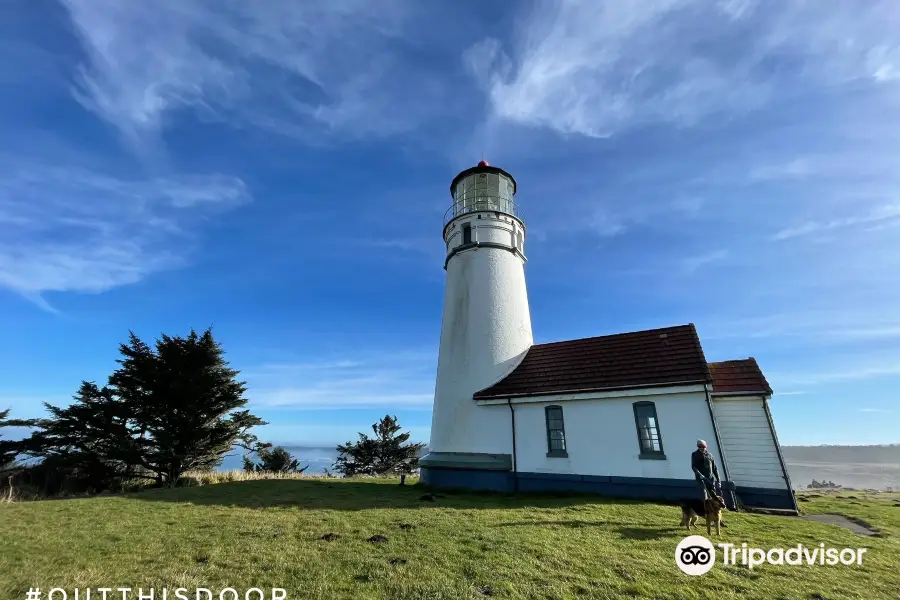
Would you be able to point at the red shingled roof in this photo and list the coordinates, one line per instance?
(738, 376)
(667, 356)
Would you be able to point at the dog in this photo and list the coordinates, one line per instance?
(710, 509)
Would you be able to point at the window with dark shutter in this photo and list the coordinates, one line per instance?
(467, 234)
(647, 423)
(556, 432)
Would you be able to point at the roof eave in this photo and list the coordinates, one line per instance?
(477, 396)
(742, 393)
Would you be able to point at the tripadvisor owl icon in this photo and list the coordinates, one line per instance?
(695, 555)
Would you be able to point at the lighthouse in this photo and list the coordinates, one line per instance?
(588, 414)
(485, 328)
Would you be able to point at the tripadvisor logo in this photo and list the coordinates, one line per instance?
(696, 555)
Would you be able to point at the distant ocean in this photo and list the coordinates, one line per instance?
(318, 459)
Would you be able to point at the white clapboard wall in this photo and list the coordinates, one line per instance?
(747, 441)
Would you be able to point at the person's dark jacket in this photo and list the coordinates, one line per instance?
(704, 466)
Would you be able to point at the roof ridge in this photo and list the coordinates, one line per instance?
(749, 359)
(620, 334)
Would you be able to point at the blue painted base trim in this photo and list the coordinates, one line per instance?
(644, 488)
(766, 498)
(468, 479)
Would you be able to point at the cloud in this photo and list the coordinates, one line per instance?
(328, 436)
(310, 366)
(299, 69)
(838, 325)
(694, 263)
(75, 230)
(881, 216)
(609, 216)
(858, 372)
(798, 168)
(342, 395)
(399, 379)
(430, 246)
(595, 70)
(875, 410)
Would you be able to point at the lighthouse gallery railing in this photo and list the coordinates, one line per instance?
(482, 203)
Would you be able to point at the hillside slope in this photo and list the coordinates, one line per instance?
(319, 538)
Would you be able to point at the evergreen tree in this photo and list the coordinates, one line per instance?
(386, 453)
(273, 460)
(7, 451)
(11, 449)
(186, 401)
(164, 411)
(92, 443)
(249, 465)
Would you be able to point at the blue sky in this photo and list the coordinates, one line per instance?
(279, 170)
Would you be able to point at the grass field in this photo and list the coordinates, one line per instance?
(317, 539)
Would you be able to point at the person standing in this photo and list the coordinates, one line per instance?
(704, 466)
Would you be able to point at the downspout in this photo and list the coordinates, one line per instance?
(787, 478)
(512, 415)
(712, 417)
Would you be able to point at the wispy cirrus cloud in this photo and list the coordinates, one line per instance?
(299, 69)
(70, 229)
(881, 216)
(692, 264)
(850, 369)
(389, 380)
(430, 247)
(595, 70)
(838, 325)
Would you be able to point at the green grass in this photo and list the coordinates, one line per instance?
(267, 533)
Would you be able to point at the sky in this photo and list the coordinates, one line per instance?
(279, 170)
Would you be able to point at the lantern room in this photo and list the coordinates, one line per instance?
(482, 188)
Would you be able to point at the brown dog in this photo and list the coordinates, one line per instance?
(710, 509)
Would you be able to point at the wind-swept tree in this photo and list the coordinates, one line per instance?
(165, 410)
(8, 450)
(187, 403)
(11, 449)
(388, 452)
(94, 441)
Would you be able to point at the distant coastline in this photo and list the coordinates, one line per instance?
(870, 466)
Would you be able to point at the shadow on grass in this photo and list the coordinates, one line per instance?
(649, 533)
(357, 495)
(570, 524)
(631, 533)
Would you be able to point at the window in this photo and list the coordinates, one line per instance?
(467, 234)
(519, 240)
(556, 432)
(648, 430)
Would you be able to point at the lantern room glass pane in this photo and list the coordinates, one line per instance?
(483, 192)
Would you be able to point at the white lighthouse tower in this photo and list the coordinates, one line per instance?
(486, 326)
